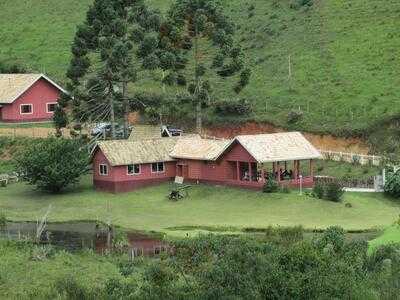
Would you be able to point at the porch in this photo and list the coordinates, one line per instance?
(286, 173)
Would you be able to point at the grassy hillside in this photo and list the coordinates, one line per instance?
(343, 55)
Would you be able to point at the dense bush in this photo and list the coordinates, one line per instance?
(392, 184)
(233, 107)
(318, 190)
(212, 267)
(270, 186)
(332, 191)
(52, 164)
(294, 116)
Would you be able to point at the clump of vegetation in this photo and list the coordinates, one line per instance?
(236, 107)
(294, 116)
(270, 186)
(53, 164)
(332, 191)
(3, 219)
(392, 184)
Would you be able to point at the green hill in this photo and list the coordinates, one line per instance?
(344, 56)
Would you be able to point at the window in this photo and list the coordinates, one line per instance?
(103, 170)
(51, 107)
(133, 169)
(157, 167)
(26, 108)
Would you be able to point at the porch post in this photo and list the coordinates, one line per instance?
(250, 172)
(295, 171)
(262, 173)
(311, 168)
(237, 171)
(278, 172)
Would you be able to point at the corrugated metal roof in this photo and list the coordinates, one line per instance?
(14, 85)
(201, 149)
(127, 152)
(263, 147)
(285, 146)
(145, 132)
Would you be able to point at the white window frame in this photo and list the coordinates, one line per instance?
(158, 171)
(103, 174)
(133, 174)
(25, 104)
(47, 107)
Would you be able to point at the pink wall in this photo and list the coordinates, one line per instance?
(39, 94)
(219, 170)
(118, 180)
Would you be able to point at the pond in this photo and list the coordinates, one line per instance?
(74, 236)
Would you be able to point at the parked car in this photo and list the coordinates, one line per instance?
(105, 128)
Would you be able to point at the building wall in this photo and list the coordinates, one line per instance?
(220, 170)
(118, 179)
(39, 94)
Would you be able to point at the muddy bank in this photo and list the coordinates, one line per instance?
(324, 142)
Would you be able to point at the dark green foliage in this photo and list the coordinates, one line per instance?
(333, 237)
(52, 164)
(294, 116)
(12, 68)
(392, 184)
(318, 190)
(281, 265)
(3, 219)
(240, 107)
(332, 191)
(270, 186)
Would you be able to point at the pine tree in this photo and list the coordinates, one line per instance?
(191, 23)
(103, 63)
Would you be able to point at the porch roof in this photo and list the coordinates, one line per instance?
(285, 146)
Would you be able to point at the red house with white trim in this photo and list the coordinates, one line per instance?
(27, 97)
(245, 161)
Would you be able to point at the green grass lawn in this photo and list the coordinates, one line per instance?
(343, 56)
(390, 235)
(216, 207)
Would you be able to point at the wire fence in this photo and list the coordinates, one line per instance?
(349, 157)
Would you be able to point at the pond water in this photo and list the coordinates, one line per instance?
(74, 236)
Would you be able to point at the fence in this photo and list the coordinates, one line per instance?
(369, 183)
(352, 157)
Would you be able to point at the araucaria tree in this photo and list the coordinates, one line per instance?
(198, 29)
(103, 58)
(52, 164)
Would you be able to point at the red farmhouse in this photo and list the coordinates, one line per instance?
(245, 161)
(27, 97)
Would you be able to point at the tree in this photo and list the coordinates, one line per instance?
(60, 118)
(53, 164)
(392, 184)
(192, 25)
(102, 64)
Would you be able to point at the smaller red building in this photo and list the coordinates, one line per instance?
(245, 161)
(27, 97)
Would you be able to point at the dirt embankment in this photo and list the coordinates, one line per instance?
(323, 142)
